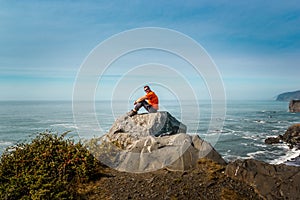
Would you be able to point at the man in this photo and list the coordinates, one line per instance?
(151, 105)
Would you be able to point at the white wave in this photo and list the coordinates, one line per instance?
(259, 121)
(292, 153)
(250, 137)
(275, 131)
(51, 121)
(231, 119)
(260, 145)
(253, 154)
(65, 125)
(228, 131)
(5, 143)
(267, 136)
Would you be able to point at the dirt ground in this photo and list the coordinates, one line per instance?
(206, 181)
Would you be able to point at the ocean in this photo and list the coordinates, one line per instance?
(247, 124)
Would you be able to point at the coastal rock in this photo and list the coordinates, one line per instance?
(273, 140)
(270, 181)
(294, 106)
(291, 136)
(147, 142)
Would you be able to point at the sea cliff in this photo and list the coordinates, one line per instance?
(287, 96)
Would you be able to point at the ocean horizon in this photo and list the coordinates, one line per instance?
(246, 124)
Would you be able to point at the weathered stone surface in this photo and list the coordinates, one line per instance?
(156, 124)
(131, 145)
(270, 181)
(294, 106)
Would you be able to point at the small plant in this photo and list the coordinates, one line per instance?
(49, 167)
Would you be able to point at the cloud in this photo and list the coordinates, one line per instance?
(48, 40)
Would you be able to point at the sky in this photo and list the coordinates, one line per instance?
(255, 46)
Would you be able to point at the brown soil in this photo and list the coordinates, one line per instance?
(206, 181)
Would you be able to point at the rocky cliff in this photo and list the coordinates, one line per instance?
(287, 96)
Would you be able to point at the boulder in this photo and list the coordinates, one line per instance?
(294, 106)
(270, 181)
(148, 142)
(155, 124)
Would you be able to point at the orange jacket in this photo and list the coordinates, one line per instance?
(152, 99)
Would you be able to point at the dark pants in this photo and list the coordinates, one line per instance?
(146, 105)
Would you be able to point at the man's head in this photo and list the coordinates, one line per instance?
(147, 88)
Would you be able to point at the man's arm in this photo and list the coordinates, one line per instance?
(140, 99)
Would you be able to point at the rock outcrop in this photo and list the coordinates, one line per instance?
(294, 106)
(270, 181)
(273, 140)
(147, 142)
(291, 136)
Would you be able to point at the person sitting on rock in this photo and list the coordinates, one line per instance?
(151, 105)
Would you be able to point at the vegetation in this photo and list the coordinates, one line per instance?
(50, 167)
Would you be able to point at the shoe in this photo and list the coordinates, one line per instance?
(131, 113)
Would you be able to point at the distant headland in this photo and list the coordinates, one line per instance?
(287, 96)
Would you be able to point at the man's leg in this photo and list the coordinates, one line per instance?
(147, 106)
(139, 105)
(136, 108)
(151, 109)
(144, 104)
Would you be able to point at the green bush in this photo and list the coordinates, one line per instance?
(49, 167)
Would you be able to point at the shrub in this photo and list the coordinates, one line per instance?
(49, 167)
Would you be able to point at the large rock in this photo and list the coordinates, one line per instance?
(270, 181)
(155, 124)
(148, 142)
(291, 136)
(294, 106)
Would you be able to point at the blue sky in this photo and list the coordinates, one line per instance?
(255, 45)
